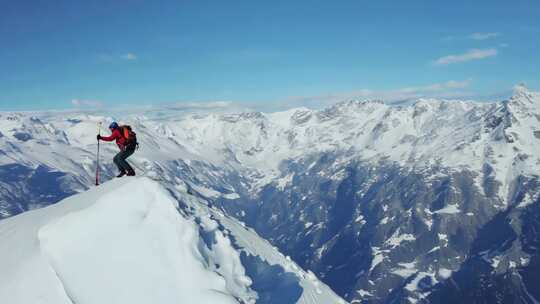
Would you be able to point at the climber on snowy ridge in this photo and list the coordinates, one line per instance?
(126, 140)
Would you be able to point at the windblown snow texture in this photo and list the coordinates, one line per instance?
(130, 246)
(130, 241)
(384, 203)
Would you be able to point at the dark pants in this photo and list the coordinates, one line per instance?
(120, 160)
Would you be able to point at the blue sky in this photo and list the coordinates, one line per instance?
(65, 54)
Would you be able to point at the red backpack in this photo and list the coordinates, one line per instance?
(129, 136)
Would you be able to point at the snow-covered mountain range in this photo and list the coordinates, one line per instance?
(385, 203)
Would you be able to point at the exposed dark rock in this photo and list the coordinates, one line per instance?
(22, 136)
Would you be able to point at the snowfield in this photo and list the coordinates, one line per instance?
(126, 242)
(125, 246)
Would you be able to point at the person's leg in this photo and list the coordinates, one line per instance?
(117, 161)
(123, 163)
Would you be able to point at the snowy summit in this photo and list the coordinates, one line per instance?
(120, 243)
(123, 242)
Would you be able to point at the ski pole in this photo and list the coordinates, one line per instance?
(97, 162)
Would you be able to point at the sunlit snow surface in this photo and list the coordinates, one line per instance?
(126, 242)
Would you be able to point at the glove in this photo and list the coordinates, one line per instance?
(98, 137)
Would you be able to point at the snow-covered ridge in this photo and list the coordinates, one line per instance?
(454, 134)
(126, 242)
(120, 243)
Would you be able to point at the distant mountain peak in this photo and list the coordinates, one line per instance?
(523, 98)
(521, 89)
(358, 102)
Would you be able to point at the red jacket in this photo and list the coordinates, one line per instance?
(120, 140)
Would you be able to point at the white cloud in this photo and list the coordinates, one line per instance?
(177, 109)
(483, 36)
(473, 36)
(129, 56)
(474, 54)
(203, 105)
(117, 57)
(438, 87)
(87, 103)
